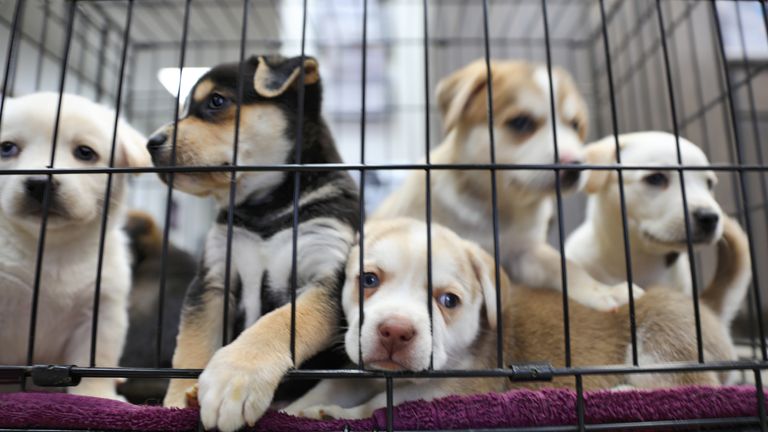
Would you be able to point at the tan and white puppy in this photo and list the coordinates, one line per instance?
(462, 199)
(655, 216)
(396, 332)
(76, 204)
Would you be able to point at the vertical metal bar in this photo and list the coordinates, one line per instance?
(626, 22)
(428, 178)
(673, 108)
(41, 50)
(361, 293)
(297, 185)
(233, 176)
(622, 198)
(46, 194)
(645, 83)
(580, 403)
(760, 399)
(390, 405)
(108, 192)
(494, 197)
(558, 192)
(9, 62)
(742, 183)
(12, 81)
(169, 197)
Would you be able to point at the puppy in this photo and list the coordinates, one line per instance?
(76, 203)
(240, 379)
(396, 333)
(146, 242)
(462, 199)
(655, 218)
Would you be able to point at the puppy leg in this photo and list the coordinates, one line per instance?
(341, 392)
(540, 267)
(199, 337)
(365, 410)
(240, 380)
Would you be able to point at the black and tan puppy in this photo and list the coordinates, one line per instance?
(240, 379)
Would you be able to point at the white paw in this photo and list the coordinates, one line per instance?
(177, 394)
(236, 389)
(606, 297)
(97, 387)
(623, 387)
(321, 412)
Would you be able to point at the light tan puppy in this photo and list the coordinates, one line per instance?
(396, 330)
(462, 199)
(76, 203)
(655, 218)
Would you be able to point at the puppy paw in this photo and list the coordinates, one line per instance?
(620, 293)
(237, 387)
(180, 393)
(606, 297)
(98, 387)
(322, 412)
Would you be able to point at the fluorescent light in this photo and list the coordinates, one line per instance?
(169, 78)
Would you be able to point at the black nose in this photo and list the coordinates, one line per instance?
(35, 187)
(569, 177)
(706, 220)
(156, 141)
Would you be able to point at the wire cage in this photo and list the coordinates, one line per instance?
(694, 68)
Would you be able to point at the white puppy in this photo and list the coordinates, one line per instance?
(655, 215)
(523, 125)
(76, 203)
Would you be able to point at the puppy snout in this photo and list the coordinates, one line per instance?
(35, 187)
(706, 220)
(396, 333)
(156, 141)
(569, 177)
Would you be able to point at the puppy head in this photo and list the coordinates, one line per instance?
(396, 327)
(205, 133)
(522, 118)
(653, 198)
(84, 140)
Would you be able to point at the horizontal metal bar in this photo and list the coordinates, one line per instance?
(380, 167)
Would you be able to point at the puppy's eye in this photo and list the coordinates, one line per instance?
(371, 280)
(216, 101)
(575, 125)
(9, 150)
(657, 180)
(448, 300)
(85, 153)
(522, 124)
(710, 184)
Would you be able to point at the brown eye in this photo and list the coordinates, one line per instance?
(522, 124)
(575, 125)
(216, 101)
(710, 184)
(85, 153)
(658, 179)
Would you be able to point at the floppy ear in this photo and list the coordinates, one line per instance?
(455, 92)
(133, 146)
(484, 269)
(274, 75)
(601, 152)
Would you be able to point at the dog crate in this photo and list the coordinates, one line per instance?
(695, 68)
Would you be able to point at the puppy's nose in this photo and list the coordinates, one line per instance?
(706, 220)
(35, 187)
(156, 141)
(569, 177)
(396, 333)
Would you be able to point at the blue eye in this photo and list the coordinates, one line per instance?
(9, 150)
(657, 180)
(522, 124)
(85, 153)
(371, 280)
(448, 300)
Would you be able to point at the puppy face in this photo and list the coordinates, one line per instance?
(523, 121)
(653, 197)
(396, 327)
(205, 133)
(84, 140)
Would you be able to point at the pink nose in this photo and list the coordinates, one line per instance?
(396, 333)
(569, 158)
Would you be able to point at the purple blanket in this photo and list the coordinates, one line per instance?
(512, 409)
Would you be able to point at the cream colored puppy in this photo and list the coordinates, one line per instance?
(396, 332)
(462, 199)
(76, 203)
(655, 216)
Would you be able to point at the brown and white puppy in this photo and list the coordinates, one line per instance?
(76, 204)
(396, 332)
(240, 379)
(655, 217)
(462, 199)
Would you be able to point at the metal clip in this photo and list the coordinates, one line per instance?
(531, 372)
(54, 376)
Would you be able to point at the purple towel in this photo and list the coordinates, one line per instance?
(512, 409)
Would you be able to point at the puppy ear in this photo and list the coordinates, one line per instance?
(457, 91)
(132, 145)
(484, 270)
(601, 152)
(274, 75)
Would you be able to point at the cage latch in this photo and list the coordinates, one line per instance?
(54, 376)
(531, 372)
